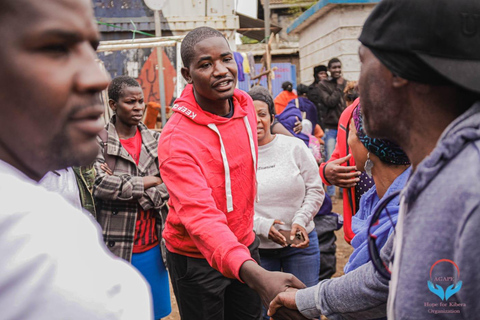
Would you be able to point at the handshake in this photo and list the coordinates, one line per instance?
(276, 289)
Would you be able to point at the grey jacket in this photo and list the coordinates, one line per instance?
(440, 219)
(360, 294)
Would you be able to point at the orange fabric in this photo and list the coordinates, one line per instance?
(342, 150)
(318, 133)
(282, 100)
(153, 108)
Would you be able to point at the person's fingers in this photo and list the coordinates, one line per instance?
(278, 237)
(275, 305)
(276, 221)
(348, 175)
(284, 299)
(342, 160)
(305, 236)
(293, 232)
(346, 185)
(336, 168)
(301, 245)
(304, 244)
(295, 283)
(106, 169)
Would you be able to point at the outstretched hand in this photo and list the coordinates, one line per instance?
(284, 313)
(267, 283)
(282, 300)
(341, 176)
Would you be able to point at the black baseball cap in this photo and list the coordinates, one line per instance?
(445, 34)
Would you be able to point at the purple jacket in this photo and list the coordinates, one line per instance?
(288, 118)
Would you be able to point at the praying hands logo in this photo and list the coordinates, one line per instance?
(438, 290)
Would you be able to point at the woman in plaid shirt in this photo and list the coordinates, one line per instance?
(128, 190)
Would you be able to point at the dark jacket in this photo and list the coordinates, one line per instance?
(314, 96)
(333, 100)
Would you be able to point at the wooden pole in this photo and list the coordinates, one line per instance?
(268, 63)
(266, 11)
(161, 81)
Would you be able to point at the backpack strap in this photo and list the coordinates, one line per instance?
(109, 159)
(304, 113)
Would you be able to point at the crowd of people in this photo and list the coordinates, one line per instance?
(229, 198)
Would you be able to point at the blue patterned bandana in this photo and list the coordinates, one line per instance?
(386, 150)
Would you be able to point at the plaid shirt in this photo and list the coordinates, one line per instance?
(119, 196)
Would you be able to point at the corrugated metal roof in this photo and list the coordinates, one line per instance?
(247, 22)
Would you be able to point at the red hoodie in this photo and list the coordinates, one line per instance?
(208, 164)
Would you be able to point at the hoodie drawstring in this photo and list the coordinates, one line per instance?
(398, 243)
(228, 182)
(254, 155)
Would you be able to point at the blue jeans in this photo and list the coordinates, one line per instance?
(330, 139)
(302, 263)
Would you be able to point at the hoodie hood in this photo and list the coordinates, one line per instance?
(194, 112)
(461, 132)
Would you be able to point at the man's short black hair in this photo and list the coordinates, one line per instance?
(192, 38)
(302, 89)
(116, 86)
(287, 85)
(260, 93)
(332, 61)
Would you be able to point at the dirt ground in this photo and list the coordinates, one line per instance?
(343, 253)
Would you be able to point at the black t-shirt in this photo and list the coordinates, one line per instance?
(231, 112)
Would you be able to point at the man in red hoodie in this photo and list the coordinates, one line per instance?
(207, 157)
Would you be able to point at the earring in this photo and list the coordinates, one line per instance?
(368, 166)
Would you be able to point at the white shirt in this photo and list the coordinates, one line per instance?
(53, 263)
(289, 187)
(64, 183)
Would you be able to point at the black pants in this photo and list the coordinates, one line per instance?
(203, 293)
